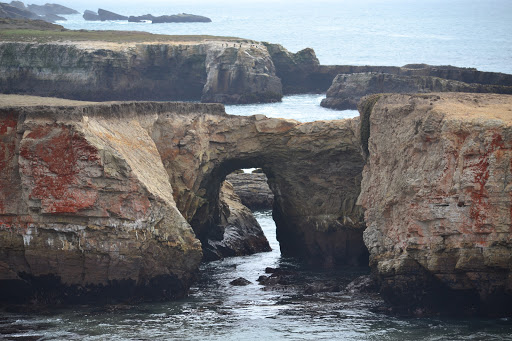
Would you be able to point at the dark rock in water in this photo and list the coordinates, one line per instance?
(362, 284)
(347, 89)
(317, 287)
(183, 17)
(12, 12)
(239, 234)
(240, 282)
(91, 16)
(253, 190)
(140, 18)
(107, 15)
(51, 9)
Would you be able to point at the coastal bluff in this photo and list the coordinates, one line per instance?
(437, 194)
(122, 200)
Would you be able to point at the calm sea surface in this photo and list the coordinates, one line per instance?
(465, 33)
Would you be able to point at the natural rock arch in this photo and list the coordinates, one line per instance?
(313, 169)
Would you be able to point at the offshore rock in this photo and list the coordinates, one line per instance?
(253, 190)
(86, 207)
(13, 12)
(313, 169)
(347, 89)
(241, 73)
(107, 15)
(238, 232)
(51, 9)
(91, 16)
(182, 17)
(437, 189)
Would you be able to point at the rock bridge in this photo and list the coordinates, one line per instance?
(106, 195)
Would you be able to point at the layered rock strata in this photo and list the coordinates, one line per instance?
(219, 71)
(253, 190)
(86, 207)
(347, 89)
(437, 189)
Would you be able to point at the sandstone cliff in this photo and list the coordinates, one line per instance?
(437, 189)
(86, 207)
(347, 89)
(313, 170)
(227, 71)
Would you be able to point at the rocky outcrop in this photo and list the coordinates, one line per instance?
(437, 192)
(313, 170)
(219, 71)
(86, 207)
(182, 17)
(12, 12)
(107, 15)
(299, 72)
(253, 190)
(347, 89)
(51, 9)
(240, 73)
(140, 18)
(91, 15)
(238, 232)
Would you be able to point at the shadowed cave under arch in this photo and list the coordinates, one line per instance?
(313, 169)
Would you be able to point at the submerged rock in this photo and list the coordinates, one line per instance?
(347, 89)
(240, 282)
(437, 193)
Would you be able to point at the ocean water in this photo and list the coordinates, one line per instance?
(216, 310)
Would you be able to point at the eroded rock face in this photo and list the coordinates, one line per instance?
(253, 190)
(348, 89)
(227, 72)
(86, 207)
(241, 73)
(313, 171)
(238, 232)
(437, 189)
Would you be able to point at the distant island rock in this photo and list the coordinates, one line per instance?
(175, 18)
(47, 12)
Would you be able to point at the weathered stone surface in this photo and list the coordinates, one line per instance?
(241, 73)
(238, 233)
(253, 190)
(313, 170)
(86, 207)
(437, 192)
(225, 72)
(299, 72)
(347, 89)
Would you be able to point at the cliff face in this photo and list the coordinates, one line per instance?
(437, 192)
(347, 89)
(98, 201)
(213, 72)
(313, 171)
(86, 207)
(241, 73)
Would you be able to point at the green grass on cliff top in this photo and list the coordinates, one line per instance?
(33, 31)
